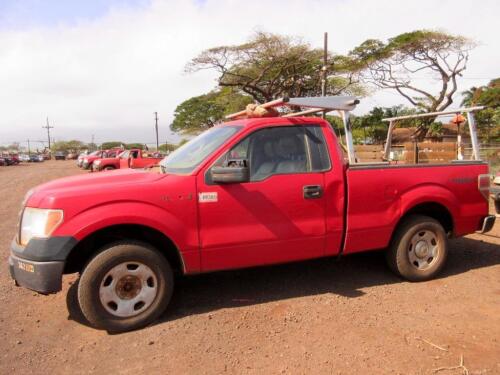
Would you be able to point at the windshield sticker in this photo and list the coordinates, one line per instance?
(207, 197)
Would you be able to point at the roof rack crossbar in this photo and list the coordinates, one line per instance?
(430, 114)
(321, 103)
(470, 117)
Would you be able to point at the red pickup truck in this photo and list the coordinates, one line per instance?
(108, 163)
(245, 193)
(86, 161)
(137, 158)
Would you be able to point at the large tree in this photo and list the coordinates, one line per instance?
(408, 61)
(270, 66)
(204, 111)
(487, 119)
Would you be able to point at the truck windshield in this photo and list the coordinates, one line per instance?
(187, 157)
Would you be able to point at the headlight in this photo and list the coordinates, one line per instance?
(38, 222)
(97, 162)
(85, 160)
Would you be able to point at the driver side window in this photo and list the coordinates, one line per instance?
(279, 150)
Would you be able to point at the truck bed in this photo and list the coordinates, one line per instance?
(379, 195)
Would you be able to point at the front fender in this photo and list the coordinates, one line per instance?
(99, 217)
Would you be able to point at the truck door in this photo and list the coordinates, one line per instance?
(279, 215)
(124, 159)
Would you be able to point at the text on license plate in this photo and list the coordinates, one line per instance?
(26, 267)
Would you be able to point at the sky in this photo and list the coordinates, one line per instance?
(103, 67)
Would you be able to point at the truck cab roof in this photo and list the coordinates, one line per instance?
(276, 121)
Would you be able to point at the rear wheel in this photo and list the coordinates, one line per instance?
(125, 287)
(419, 249)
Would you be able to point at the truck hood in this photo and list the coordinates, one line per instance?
(91, 158)
(86, 184)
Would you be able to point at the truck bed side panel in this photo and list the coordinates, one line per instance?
(379, 196)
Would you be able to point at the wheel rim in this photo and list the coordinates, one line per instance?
(128, 289)
(423, 250)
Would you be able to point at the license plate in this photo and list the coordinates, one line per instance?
(26, 266)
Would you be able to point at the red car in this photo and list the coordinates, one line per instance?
(249, 192)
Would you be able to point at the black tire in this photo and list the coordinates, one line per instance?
(411, 261)
(97, 273)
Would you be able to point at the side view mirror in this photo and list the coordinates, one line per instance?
(228, 175)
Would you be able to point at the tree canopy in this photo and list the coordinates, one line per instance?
(397, 64)
(204, 111)
(69, 146)
(489, 118)
(269, 66)
(408, 61)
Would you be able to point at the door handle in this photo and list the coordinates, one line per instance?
(312, 191)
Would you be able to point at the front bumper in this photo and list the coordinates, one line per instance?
(42, 277)
(40, 265)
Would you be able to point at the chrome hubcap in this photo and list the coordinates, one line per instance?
(128, 289)
(423, 250)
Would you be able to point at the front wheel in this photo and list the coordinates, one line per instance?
(419, 249)
(126, 286)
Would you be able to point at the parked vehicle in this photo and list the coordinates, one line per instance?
(79, 159)
(24, 158)
(36, 158)
(2, 161)
(137, 158)
(60, 155)
(245, 193)
(107, 164)
(72, 156)
(10, 159)
(495, 192)
(89, 159)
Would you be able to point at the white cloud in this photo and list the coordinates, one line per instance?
(107, 77)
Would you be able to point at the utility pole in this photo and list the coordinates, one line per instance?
(48, 127)
(323, 69)
(156, 129)
(29, 149)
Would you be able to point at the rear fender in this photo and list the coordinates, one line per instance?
(430, 193)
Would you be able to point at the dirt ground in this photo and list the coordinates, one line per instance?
(324, 316)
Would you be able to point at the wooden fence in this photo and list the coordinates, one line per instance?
(428, 152)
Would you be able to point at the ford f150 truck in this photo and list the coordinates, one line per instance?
(245, 193)
(86, 161)
(137, 158)
(108, 163)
